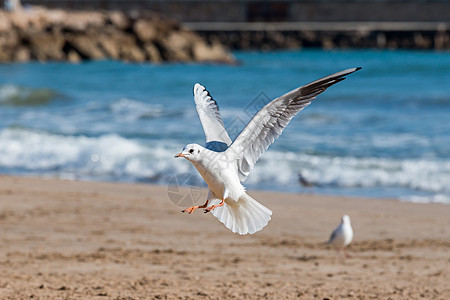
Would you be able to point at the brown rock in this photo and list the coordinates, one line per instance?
(5, 56)
(22, 54)
(86, 45)
(19, 19)
(129, 50)
(108, 41)
(43, 34)
(73, 56)
(117, 44)
(51, 16)
(153, 53)
(118, 20)
(133, 54)
(9, 39)
(46, 46)
(210, 53)
(81, 21)
(145, 30)
(35, 19)
(178, 46)
(5, 23)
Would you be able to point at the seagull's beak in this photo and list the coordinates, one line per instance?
(179, 155)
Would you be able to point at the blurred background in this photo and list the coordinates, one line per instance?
(102, 90)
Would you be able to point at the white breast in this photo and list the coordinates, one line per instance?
(221, 175)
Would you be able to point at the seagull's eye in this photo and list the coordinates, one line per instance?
(191, 151)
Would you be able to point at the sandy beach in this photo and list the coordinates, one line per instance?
(84, 240)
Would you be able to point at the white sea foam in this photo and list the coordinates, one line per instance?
(109, 156)
(8, 91)
(426, 175)
(437, 198)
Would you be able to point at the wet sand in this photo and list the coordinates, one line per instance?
(83, 240)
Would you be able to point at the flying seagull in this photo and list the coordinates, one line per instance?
(342, 236)
(224, 164)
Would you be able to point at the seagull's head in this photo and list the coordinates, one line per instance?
(191, 152)
(345, 219)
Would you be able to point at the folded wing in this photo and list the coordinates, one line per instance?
(270, 121)
(217, 138)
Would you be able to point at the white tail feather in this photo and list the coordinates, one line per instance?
(244, 216)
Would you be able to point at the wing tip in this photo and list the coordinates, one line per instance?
(350, 71)
(202, 95)
(197, 87)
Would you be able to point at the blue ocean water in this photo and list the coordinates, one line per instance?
(383, 132)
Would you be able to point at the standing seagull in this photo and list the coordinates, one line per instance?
(342, 236)
(224, 164)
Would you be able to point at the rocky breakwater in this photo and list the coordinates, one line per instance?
(57, 35)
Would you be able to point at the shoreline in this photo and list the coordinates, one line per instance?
(74, 239)
(299, 191)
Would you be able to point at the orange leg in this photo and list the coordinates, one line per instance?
(207, 210)
(191, 209)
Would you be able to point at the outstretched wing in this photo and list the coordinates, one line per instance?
(217, 138)
(271, 120)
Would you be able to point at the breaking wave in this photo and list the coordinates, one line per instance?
(106, 157)
(23, 96)
(113, 157)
